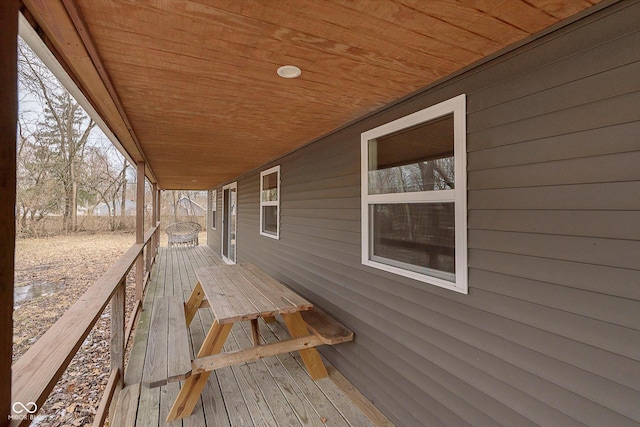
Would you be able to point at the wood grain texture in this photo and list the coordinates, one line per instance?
(51, 353)
(127, 407)
(329, 330)
(237, 357)
(272, 389)
(548, 332)
(194, 303)
(107, 397)
(155, 367)
(55, 21)
(118, 344)
(191, 389)
(243, 292)
(297, 328)
(168, 358)
(178, 355)
(157, 74)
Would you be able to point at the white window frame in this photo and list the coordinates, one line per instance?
(457, 106)
(226, 217)
(214, 207)
(275, 169)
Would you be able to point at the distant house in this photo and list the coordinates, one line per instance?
(102, 209)
(456, 182)
(187, 207)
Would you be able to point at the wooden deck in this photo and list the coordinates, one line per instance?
(275, 391)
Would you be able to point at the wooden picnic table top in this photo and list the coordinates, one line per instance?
(244, 292)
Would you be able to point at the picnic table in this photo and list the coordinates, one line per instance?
(234, 293)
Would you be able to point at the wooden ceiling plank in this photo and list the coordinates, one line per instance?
(355, 68)
(517, 13)
(85, 37)
(235, 29)
(198, 79)
(420, 23)
(52, 17)
(348, 72)
(285, 25)
(195, 95)
(562, 9)
(471, 19)
(346, 21)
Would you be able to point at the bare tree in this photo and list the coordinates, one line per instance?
(64, 131)
(37, 194)
(104, 177)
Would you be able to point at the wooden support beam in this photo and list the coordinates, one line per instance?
(133, 321)
(8, 119)
(140, 202)
(229, 358)
(195, 302)
(57, 23)
(255, 332)
(107, 397)
(158, 218)
(310, 356)
(76, 18)
(154, 219)
(192, 387)
(118, 341)
(140, 229)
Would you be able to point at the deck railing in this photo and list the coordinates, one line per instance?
(39, 369)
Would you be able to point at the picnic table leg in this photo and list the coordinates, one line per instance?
(310, 356)
(269, 319)
(193, 386)
(191, 306)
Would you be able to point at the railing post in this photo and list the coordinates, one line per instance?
(158, 218)
(8, 119)
(140, 229)
(154, 216)
(117, 329)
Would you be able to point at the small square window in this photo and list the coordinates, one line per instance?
(270, 203)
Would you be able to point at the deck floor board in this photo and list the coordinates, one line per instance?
(275, 391)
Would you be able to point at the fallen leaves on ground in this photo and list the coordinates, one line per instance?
(69, 265)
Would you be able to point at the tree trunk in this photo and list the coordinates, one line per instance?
(175, 206)
(67, 209)
(123, 199)
(74, 204)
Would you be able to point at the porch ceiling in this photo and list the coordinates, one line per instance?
(190, 86)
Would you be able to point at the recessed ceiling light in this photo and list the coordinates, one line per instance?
(289, 71)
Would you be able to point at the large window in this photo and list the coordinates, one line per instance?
(414, 213)
(270, 202)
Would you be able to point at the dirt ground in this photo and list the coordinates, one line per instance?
(61, 269)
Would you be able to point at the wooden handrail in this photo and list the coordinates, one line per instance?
(38, 370)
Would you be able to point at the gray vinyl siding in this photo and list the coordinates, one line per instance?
(549, 333)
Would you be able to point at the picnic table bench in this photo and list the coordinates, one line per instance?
(183, 233)
(234, 293)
